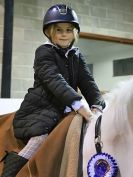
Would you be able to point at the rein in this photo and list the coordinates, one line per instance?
(98, 142)
(101, 164)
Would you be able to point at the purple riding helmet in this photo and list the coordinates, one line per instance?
(60, 13)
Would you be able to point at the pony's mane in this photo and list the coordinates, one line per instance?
(120, 101)
(123, 90)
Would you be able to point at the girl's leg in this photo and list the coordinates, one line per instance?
(32, 146)
(13, 162)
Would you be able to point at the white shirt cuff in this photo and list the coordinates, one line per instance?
(67, 109)
(77, 104)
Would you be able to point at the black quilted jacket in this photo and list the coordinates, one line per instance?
(56, 80)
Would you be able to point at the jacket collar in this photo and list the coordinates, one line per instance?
(66, 51)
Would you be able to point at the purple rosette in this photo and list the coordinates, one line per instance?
(102, 165)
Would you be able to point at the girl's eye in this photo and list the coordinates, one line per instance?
(69, 30)
(58, 30)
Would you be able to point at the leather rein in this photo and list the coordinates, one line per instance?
(98, 142)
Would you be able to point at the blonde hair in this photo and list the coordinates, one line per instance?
(50, 32)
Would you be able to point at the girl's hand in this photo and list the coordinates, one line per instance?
(96, 112)
(86, 113)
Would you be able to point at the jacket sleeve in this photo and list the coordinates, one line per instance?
(47, 71)
(88, 86)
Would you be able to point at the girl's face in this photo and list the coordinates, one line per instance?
(63, 34)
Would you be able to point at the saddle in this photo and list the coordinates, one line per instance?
(56, 157)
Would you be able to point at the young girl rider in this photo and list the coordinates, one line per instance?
(59, 70)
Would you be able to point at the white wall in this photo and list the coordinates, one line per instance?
(103, 68)
(9, 105)
(101, 54)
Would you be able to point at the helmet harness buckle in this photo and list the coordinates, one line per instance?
(62, 10)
